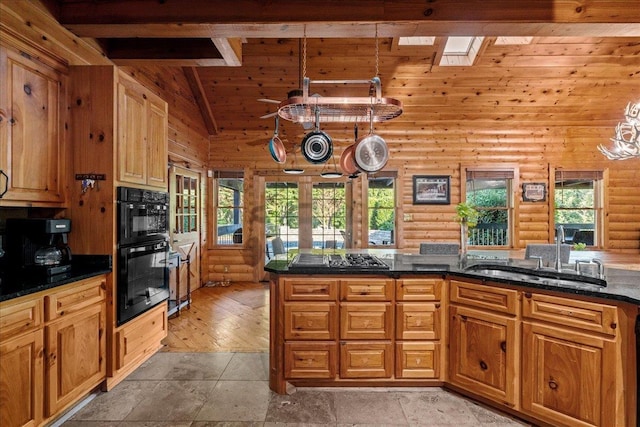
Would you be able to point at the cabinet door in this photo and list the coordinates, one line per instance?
(482, 353)
(32, 151)
(132, 135)
(366, 359)
(366, 321)
(139, 338)
(562, 365)
(310, 359)
(418, 321)
(418, 359)
(21, 380)
(75, 356)
(157, 140)
(310, 321)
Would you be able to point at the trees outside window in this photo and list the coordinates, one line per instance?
(489, 191)
(228, 207)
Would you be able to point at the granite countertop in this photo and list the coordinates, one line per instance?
(621, 284)
(17, 283)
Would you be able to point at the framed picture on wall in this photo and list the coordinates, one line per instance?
(534, 192)
(431, 190)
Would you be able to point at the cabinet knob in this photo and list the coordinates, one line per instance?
(527, 294)
(464, 318)
(483, 365)
(503, 346)
(553, 385)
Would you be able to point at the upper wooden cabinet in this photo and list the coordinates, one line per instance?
(142, 135)
(32, 142)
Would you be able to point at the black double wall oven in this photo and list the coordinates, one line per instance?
(143, 251)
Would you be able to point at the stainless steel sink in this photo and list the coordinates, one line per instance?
(541, 277)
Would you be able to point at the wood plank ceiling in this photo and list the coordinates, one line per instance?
(579, 66)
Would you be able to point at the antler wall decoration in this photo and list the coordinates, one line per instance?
(626, 143)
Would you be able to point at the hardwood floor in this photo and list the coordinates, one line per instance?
(222, 319)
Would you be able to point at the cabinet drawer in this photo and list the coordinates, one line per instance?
(419, 289)
(418, 360)
(366, 360)
(310, 359)
(83, 294)
(571, 313)
(306, 289)
(16, 318)
(373, 289)
(366, 321)
(482, 296)
(141, 336)
(418, 321)
(310, 321)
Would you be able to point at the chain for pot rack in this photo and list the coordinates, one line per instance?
(372, 108)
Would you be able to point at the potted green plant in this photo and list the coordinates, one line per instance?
(467, 216)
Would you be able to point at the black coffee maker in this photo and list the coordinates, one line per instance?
(39, 244)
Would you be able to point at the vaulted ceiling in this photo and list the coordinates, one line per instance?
(579, 65)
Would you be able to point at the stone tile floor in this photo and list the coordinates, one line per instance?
(231, 389)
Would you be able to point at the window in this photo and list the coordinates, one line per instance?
(281, 217)
(489, 191)
(577, 205)
(381, 209)
(186, 213)
(228, 203)
(329, 215)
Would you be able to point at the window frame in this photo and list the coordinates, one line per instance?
(365, 211)
(215, 177)
(600, 178)
(512, 206)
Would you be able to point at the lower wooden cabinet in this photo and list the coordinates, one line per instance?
(310, 359)
(140, 337)
(555, 359)
(75, 357)
(420, 359)
(573, 349)
(483, 353)
(21, 380)
(52, 351)
(372, 359)
(562, 365)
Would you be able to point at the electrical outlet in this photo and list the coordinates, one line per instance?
(226, 268)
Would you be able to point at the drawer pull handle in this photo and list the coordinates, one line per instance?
(483, 365)
(553, 385)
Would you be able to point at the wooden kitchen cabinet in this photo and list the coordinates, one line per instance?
(142, 135)
(21, 363)
(418, 327)
(140, 338)
(484, 344)
(311, 329)
(33, 154)
(75, 342)
(572, 349)
(76, 357)
(52, 351)
(366, 328)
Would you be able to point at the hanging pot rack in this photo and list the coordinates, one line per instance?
(302, 109)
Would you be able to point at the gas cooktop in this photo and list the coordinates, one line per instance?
(337, 261)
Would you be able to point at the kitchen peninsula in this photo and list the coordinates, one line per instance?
(527, 344)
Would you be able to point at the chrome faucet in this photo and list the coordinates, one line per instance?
(559, 240)
(600, 267)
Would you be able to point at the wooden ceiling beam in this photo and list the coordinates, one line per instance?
(349, 18)
(191, 74)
